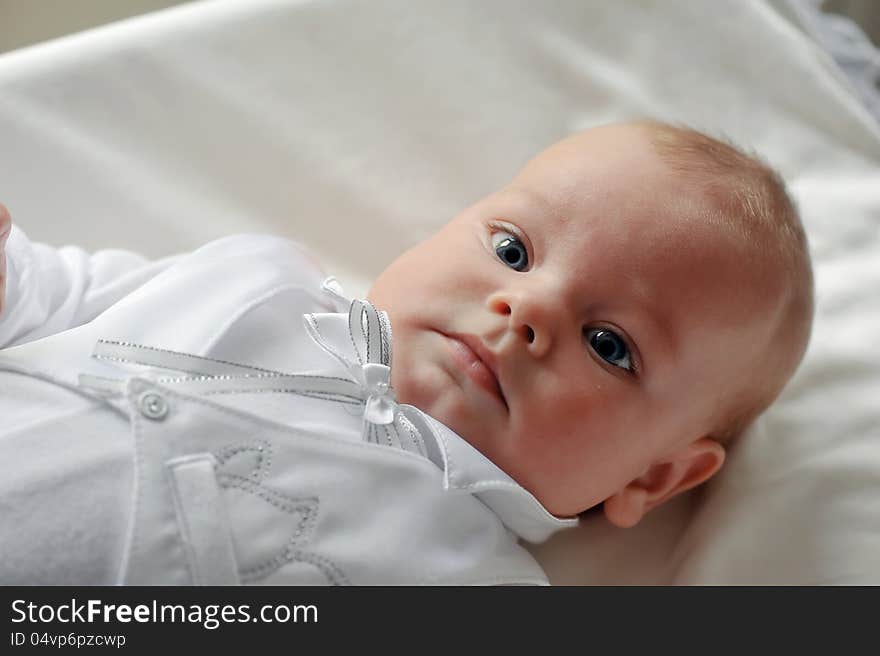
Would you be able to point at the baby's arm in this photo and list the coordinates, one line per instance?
(48, 290)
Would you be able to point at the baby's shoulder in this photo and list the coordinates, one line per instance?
(256, 244)
(249, 253)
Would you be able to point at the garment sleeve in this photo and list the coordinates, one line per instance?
(49, 290)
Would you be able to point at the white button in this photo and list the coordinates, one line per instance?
(153, 406)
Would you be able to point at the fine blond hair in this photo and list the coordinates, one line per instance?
(752, 199)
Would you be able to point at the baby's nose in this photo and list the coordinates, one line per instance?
(528, 320)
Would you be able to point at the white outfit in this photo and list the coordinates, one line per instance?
(178, 422)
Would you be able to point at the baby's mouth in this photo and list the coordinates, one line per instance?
(478, 364)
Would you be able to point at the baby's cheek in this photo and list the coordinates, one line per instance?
(568, 420)
(433, 392)
(414, 383)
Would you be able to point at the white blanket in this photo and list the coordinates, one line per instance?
(335, 121)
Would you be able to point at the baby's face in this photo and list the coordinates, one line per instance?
(579, 325)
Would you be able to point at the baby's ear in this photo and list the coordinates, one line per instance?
(686, 468)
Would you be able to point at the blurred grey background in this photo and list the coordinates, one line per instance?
(23, 22)
(864, 12)
(849, 30)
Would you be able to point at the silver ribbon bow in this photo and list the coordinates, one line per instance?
(368, 367)
(370, 336)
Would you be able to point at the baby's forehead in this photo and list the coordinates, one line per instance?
(674, 256)
(581, 172)
(670, 220)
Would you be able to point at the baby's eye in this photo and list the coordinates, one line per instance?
(510, 250)
(610, 347)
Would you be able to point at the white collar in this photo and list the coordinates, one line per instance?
(466, 469)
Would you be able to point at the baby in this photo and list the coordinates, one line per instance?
(602, 327)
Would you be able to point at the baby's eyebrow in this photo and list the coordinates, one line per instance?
(533, 200)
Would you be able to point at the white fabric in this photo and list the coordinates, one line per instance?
(241, 483)
(358, 128)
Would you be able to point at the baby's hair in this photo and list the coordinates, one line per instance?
(747, 195)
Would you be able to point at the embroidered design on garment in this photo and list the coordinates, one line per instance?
(255, 458)
(304, 513)
(242, 466)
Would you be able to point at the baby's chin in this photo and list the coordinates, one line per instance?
(431, 390)
(434, 392)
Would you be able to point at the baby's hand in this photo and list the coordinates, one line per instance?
(5, 227)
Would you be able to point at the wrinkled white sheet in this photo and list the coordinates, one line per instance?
(360, 127)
